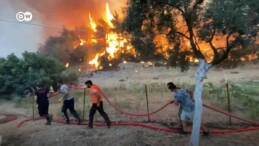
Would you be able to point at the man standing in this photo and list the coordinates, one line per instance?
(43, 102)
(68, 102)
(183, 97)
(97, 104)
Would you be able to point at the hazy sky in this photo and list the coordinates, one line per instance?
(14, 37)
(17, 38)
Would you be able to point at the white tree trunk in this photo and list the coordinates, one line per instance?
(200, 75)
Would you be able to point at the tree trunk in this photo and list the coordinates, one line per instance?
(200, 75)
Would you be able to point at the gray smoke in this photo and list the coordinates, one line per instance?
(16, 38)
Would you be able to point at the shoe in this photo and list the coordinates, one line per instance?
(89, 127)
(50, 117)
(109, 125)
(182, 131)
(79, 122)
(48, 123)
(68, 122)
(206, 133)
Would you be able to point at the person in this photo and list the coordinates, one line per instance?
(42, 95)
(180, 107)
(68, 102)
(97, 104)
(184, 98)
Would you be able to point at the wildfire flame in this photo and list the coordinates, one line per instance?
(92, 23)
(115, 43)
(67, 65)
(109, 16)
(82, 42)
(95, 60)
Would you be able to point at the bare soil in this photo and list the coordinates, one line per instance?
(36, 133)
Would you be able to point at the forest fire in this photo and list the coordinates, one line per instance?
(67, 65)
(115, 43)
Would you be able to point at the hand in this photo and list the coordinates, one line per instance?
(60, 100)
(98, 104)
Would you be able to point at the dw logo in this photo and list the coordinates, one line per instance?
(24, 16)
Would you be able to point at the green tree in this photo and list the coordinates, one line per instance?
(234, 20)
(18, 74)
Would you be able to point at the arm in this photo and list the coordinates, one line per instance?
(191, 95)
(176, 102)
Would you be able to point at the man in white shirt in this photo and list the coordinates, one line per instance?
(68, 102)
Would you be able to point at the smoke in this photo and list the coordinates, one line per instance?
(72, 13)
(15, 37)
(59, 13)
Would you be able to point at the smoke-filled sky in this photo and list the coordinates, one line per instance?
(17, 38)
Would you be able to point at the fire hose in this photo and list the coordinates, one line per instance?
(145, 126)
(159, 128)
(151, 113)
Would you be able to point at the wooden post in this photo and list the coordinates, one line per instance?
(229, 102)
(83, 117)
(147, 102)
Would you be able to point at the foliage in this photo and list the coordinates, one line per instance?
(69, 76)
(244, 94)
(18, 74)
(195, 21)
(66, 47)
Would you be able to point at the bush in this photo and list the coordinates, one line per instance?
(69, 76)
(19, 74)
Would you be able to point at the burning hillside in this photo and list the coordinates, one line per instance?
(99, 43)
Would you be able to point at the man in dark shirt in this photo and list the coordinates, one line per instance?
(43, 103)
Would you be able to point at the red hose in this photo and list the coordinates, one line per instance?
(134, 114)
(229, 114)
(151, 113)
(146, 126)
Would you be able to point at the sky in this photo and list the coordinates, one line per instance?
(16, 37)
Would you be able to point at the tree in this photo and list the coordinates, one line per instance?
(197, 22)
(67, 47)
(17, 75)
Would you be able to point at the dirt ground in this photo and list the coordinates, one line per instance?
(35, 133)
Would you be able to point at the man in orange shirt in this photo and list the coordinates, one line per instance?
(97, 104)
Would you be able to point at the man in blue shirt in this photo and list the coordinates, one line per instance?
(183, 98)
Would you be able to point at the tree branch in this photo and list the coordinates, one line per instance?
(196, 4)
(182, 34)
(225, 54)
(178, 8)
(216, 54)
(197, 52)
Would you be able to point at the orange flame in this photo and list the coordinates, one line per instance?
(115, 43)
(95, 61)
(109, 16)
(67, 65)
(92, 23)
(82, 42)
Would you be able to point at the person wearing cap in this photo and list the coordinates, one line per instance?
(97, 104)
(68, 102)
(183, 98)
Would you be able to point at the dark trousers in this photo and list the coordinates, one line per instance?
(102, 113)
(43, 108)
(69, 104)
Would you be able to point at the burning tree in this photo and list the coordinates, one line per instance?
(211, 29)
